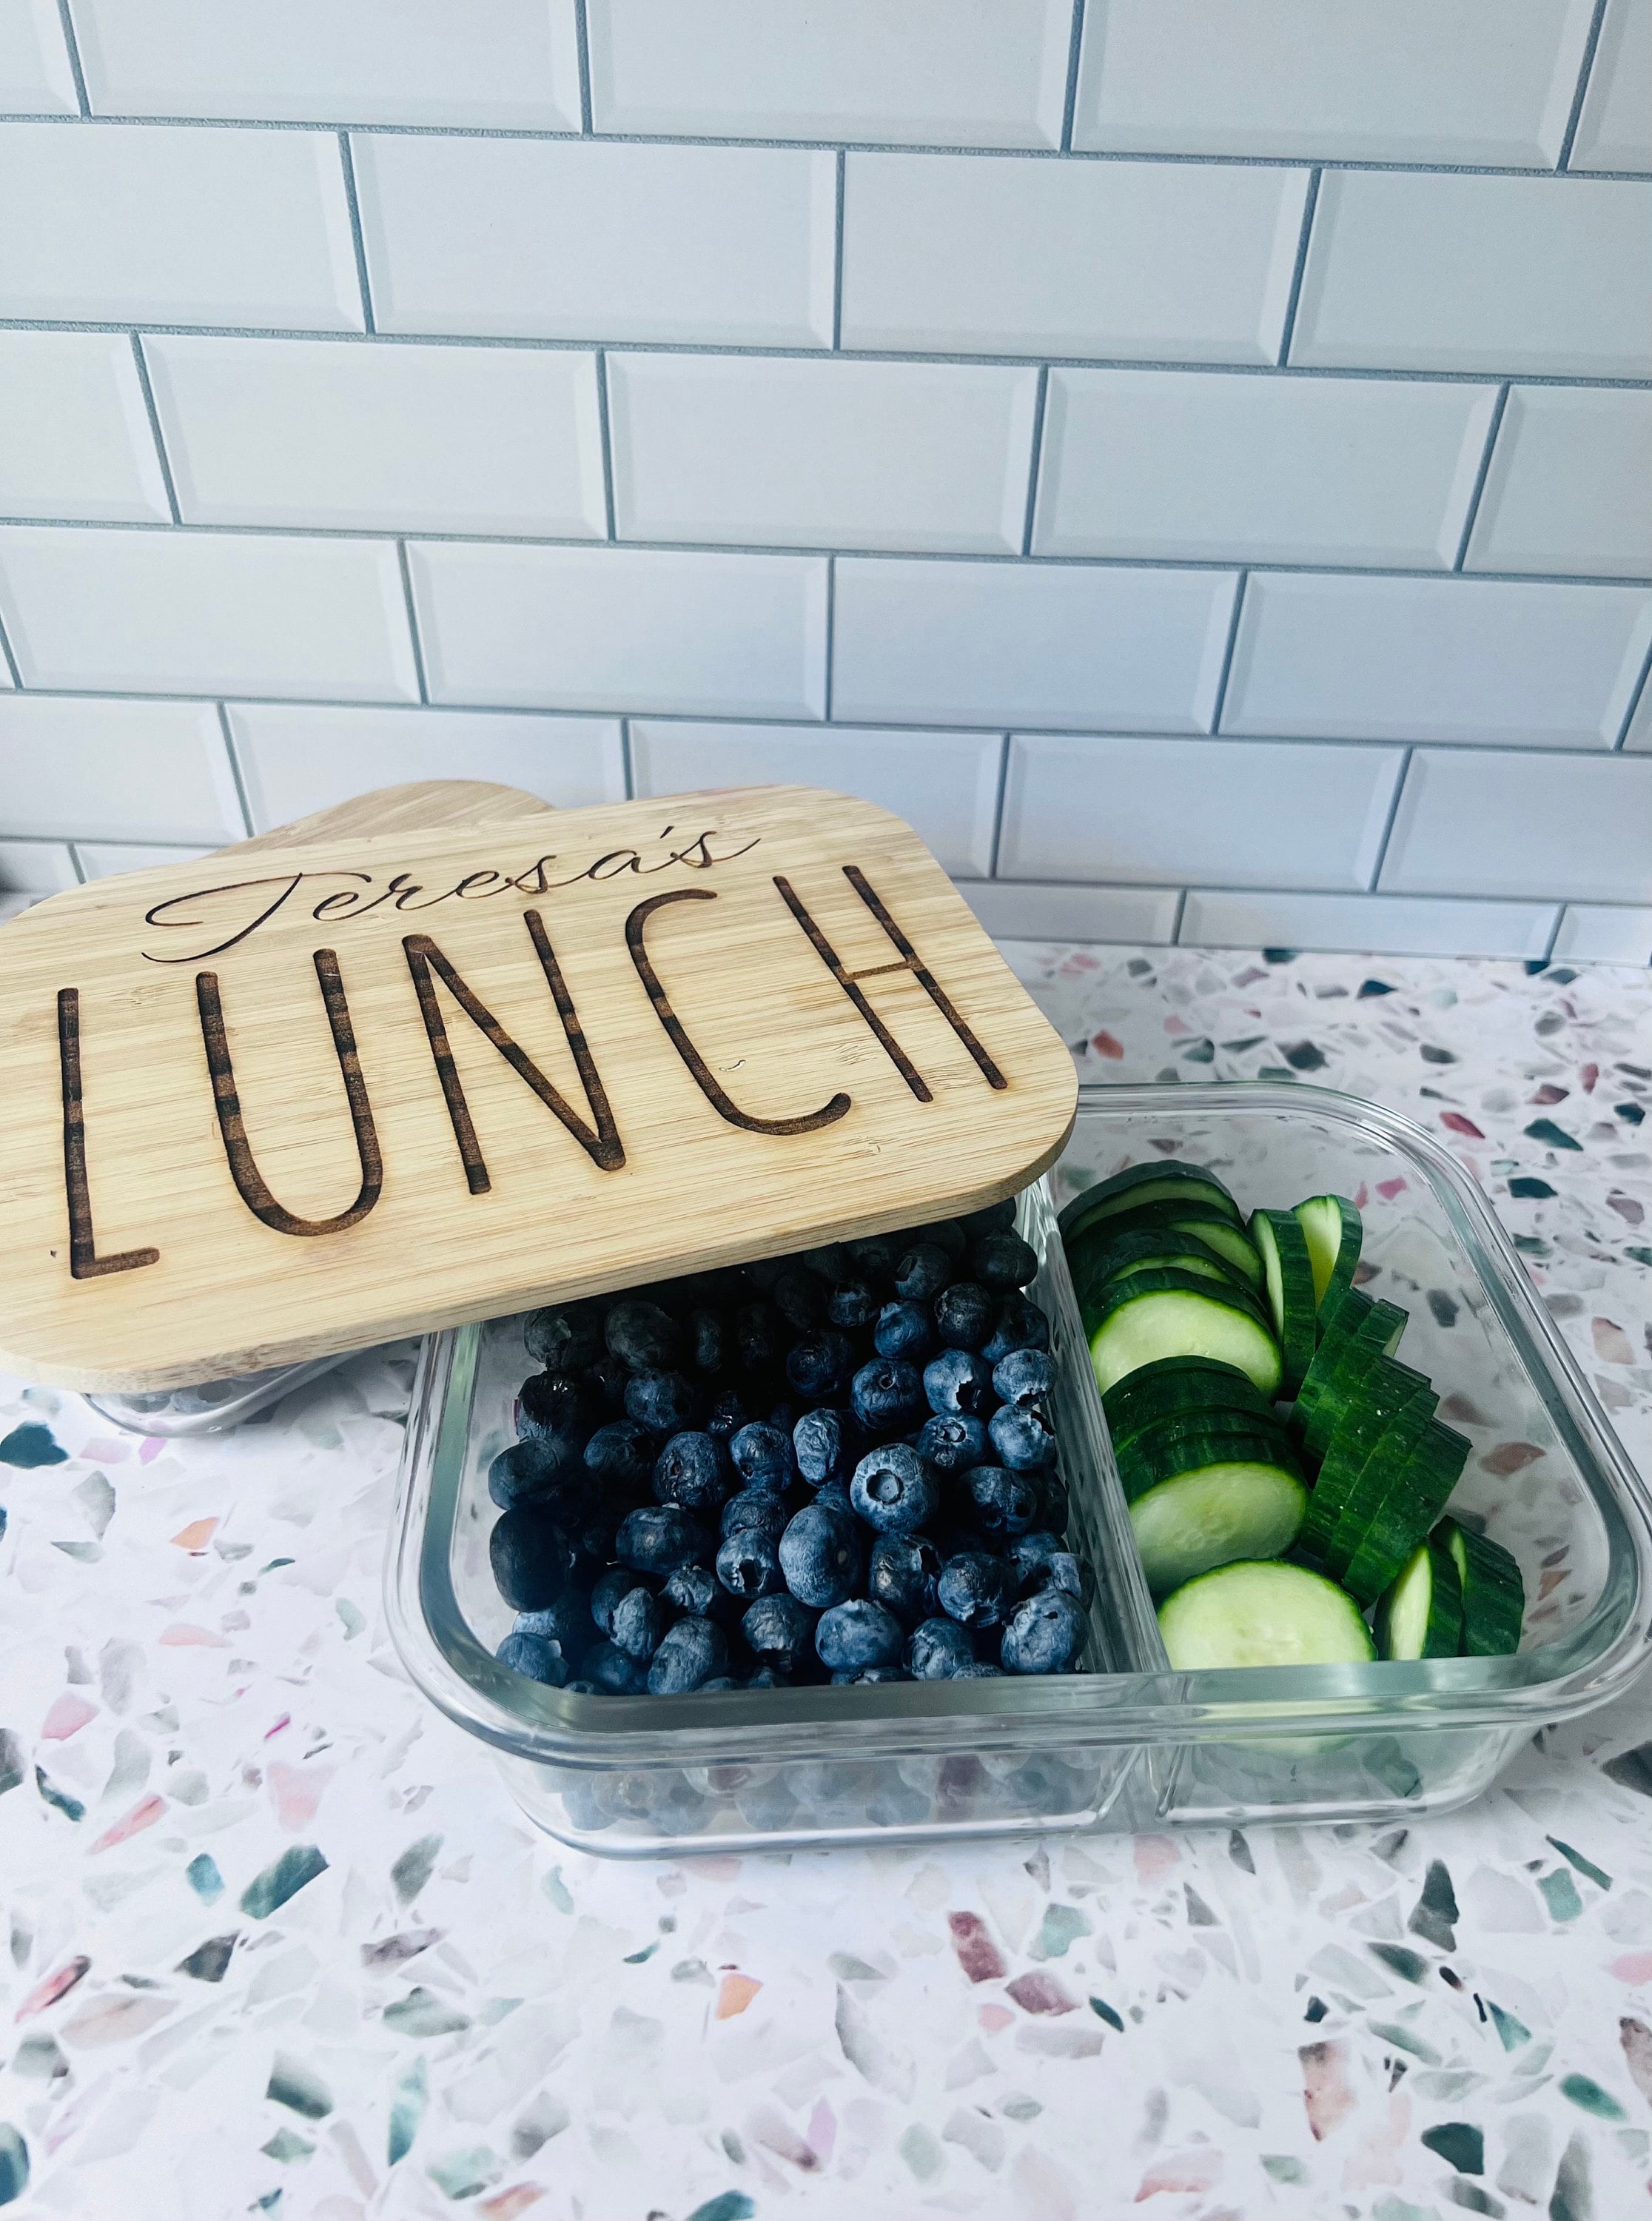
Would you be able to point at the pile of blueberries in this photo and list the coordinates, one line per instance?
(834, 1466)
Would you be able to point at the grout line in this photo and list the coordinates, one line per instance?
(1074, 45)
(1387, 830)
(837, 264)
(625, 760)
(1554, 931)
(1176, 923)
(1220, 702)
(349, 163)
(1636, 695)
(582, 33)
(918, 357)
(831, 636)
(1035, 456)
(1287, 328)
(412, 619)
(1590, 46)
(235, 770)
(11, 661)
(148, 392)
(997, 807)
(1479, 487)
(71, 40)
(78, 860)
(606, 437)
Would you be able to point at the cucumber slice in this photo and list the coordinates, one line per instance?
(1100, 1297)
(1096, 1257)
(1180, 1387)
(1263, 1615)
(1339, 1320)
(1376, 1336)
(1419, 1487)
(1287, 1276)
(1228, 1241)
(1420, 1614)
(1143, 1322)
(1174, 1447)
(1375, 1433)
(1211, 1515)
(1494, 1594)
(1216, 1227)
(1333, 1230)
(1127, 1190)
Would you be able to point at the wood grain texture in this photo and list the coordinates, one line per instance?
(368, 1086)
(419, 805)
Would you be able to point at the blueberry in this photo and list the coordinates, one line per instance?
(760, 1336)
(695, 1591)
(868, 1674)
(621, 1455)
(711, 1345)
(567, 1339)
(819, 1556)
(727, 1416)
(1055, 1511)
(717, 1681)
(938, 1650)
(1022, 1439)
(540, 1468)
(976, 1588)
(980, 1671)
(637, 1624)
(659, 1541)
(833, 1496)
(819, 1361)
(531, 1556)
(692, 1653)
(642, 1336)
(1029, 1555)
(609, 1590)
(996, 1218)
(607, 1380)
(769, 1677)
(1001, 1504)
(921, 1271)
(799, 1297)
(1070, 1575)
(748, 1563)
(780, 1631)
(763, 1455)
(608, 1669)
(947, 1234)
(765, 1509)
(831, 1262)
(1045, 1634)
(958, 1380)
(1025, 1377)
(693, 1470)
(953, 1442)
(904, 1331)
(664, 1403)
(887, 1395)
(876, 1256)
(895, 1490)
(1003, 1261)
(534, 1658)
(853, 1635)
(965, 1314)
(853, 1305)
(783, 1415)
(820, 1445)
(556, 1405)
(762, 1272)
(1021, 1325)
(900, 1574)
(594, 1537)
(566, 1622)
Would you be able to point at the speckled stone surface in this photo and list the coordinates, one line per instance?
(279, 1943)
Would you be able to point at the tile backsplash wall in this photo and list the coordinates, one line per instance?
(1193, 458)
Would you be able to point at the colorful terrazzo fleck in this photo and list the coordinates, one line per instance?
(279, 1943)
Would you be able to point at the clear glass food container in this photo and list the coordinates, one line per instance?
(208, 1407)
(1126, 1743)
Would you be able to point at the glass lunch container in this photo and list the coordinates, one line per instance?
(210, 1407)
(1125, 1742)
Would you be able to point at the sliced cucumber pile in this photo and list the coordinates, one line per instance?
(1200, 1321)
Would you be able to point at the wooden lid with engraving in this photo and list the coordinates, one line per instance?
(274, 1104)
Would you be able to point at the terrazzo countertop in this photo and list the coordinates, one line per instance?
(279, 1941)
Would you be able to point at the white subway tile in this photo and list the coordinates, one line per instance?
(1578, 826)
(1011, 910)
(623, 629)
(1284, 469)
(168, 225)
(74, 434)
(967, 643)
(945, 784)
(1407, 272)
(1375, 925)
(439, 438)
(923, 71)
(1436, 660)
(1570, 484)
(817, 455)
(113, 771)
(35, 79)
(1597, 933)
(105, 859)
(978, 255)
(558, 240)
(1615, 129)
(1259, 814)
(206, 613)
(1366, 80)
(38, 868)
(513, 65)
(297, 758)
